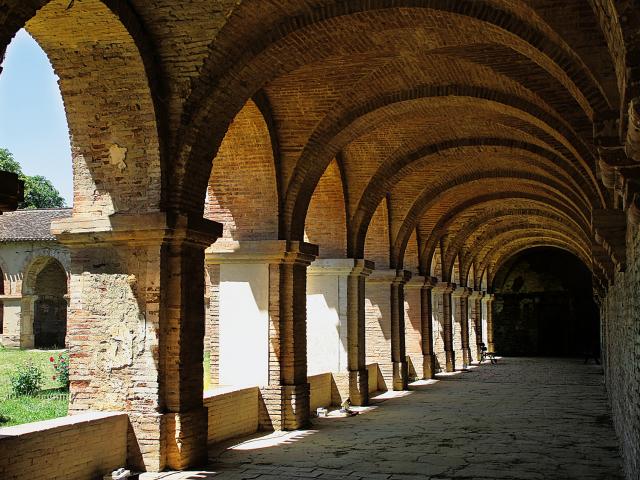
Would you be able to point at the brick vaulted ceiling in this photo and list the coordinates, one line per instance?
(471, 121)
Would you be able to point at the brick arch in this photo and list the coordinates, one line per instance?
(376, 244)
(326, 221)
(243, 191)
(508, 227)
(527, 236)
(454, 271)
(472, 183)
(480, 209)
(518, 247)
(328, 140)
(411, 259)
(304, 37)
(361, 215)
(99, 50)
(34, 268)
(469, 275)
(390, 173)
(510, 220)
(484, 222)
(434, 262)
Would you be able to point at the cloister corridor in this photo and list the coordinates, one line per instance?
(524, 418)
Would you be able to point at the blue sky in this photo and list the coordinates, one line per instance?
(33, 124)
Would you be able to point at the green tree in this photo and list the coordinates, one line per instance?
(38, 191)
(8, 163)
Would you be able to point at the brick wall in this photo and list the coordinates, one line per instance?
(378, 330)
(232, 413)
(74, 447)
(321, 391)
(413, 335)
(620, 314)
(373, 374)
(326, 222)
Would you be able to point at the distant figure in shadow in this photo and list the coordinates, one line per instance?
(592, 352)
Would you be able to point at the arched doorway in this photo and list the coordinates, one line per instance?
(46, 284)
(544, 306)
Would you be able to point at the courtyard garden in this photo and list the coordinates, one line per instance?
(31, 387)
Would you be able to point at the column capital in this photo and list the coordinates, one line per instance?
(444, 287)
(341, 267)
(476, 295)
(461, 292)
(135, 229)
(390, 276)
(430, 282)
(488, 297)
(417, 281)
(261, 251)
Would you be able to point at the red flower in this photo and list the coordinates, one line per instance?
(51, 359)
(53, 378)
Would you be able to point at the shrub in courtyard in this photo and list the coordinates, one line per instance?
(61, 366)
(26, 379)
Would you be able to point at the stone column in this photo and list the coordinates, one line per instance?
(488, 300)
(336, 324)
(398, 344)
(426, 304)
(262, 306)
(27, 317)
(12, 325)
(475, 323)
(385, 325)
(461, 326)
(442, 310)
(136, 328)
(413, 327)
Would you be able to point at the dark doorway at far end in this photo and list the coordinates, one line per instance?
(544, 306)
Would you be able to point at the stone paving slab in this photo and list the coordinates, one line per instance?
(522, 419)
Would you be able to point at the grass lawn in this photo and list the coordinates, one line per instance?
(50, 403)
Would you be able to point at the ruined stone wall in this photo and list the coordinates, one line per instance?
(620, 314)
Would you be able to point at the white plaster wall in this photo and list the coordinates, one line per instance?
(244, 324)
(326, 324)
(484, 324)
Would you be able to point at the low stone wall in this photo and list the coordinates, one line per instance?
(320, 391)
(374, 372)
(85, 446)
(232, 412)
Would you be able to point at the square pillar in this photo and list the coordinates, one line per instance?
(426, 304)
(413, 327)
(385, 325)
(261, 314)
(487, 300)
(475, 323)
(135, 329)
(11, 335)
(445, 354)
(336, 324)
(461, 326)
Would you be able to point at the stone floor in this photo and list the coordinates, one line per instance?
(520, 419)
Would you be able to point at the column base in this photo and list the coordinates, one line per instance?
(451, 361)
(284, 407)
(353, 385)
(400, 376)
(466, 354)
(428, 366)
(186, 437)
(27, 340)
